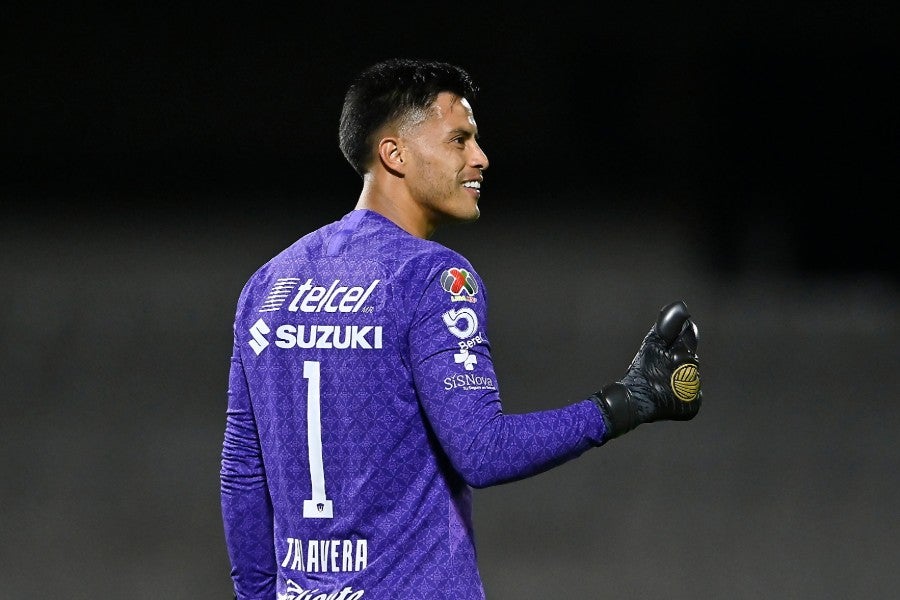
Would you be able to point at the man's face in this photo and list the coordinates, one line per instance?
(445, 162)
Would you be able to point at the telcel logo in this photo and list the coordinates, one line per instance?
(335, 298)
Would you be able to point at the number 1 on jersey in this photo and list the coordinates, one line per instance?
(319, 507)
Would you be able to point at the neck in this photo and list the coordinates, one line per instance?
(394, 203)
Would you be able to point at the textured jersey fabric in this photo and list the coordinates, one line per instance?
(363, 407)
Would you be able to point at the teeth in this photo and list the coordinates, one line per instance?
(473, 184)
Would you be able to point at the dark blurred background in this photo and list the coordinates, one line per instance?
(743, 157)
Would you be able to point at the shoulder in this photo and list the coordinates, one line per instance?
(410, 256)
(430, 261)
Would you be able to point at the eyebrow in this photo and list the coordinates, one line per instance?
(466, 132)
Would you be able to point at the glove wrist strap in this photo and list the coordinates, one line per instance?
(615, 402)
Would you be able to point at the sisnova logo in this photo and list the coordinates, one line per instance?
(311, 298)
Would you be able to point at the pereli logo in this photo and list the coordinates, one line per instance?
(460, 283)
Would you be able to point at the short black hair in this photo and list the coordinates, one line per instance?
(389, 90)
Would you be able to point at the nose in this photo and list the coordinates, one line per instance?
(479, 158)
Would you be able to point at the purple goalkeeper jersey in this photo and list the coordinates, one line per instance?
(363, 406)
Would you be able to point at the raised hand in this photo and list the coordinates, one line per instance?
(663, 380)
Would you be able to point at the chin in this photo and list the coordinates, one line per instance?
(474, 212)
(471, 216)
(461, 213)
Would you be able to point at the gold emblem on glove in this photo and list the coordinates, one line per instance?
(686, 382)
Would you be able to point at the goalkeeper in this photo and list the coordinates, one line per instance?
(363, 405)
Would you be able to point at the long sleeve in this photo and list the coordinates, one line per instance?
(246, 506)
(458, 390)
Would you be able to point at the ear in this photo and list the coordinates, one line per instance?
(391, 155)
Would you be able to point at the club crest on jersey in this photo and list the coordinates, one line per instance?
(460, 284)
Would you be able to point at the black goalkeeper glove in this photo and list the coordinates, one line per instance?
(663, 381)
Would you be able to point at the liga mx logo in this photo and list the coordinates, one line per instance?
(686, 382)
(459, 282)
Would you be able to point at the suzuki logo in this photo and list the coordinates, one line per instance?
(259, 341)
